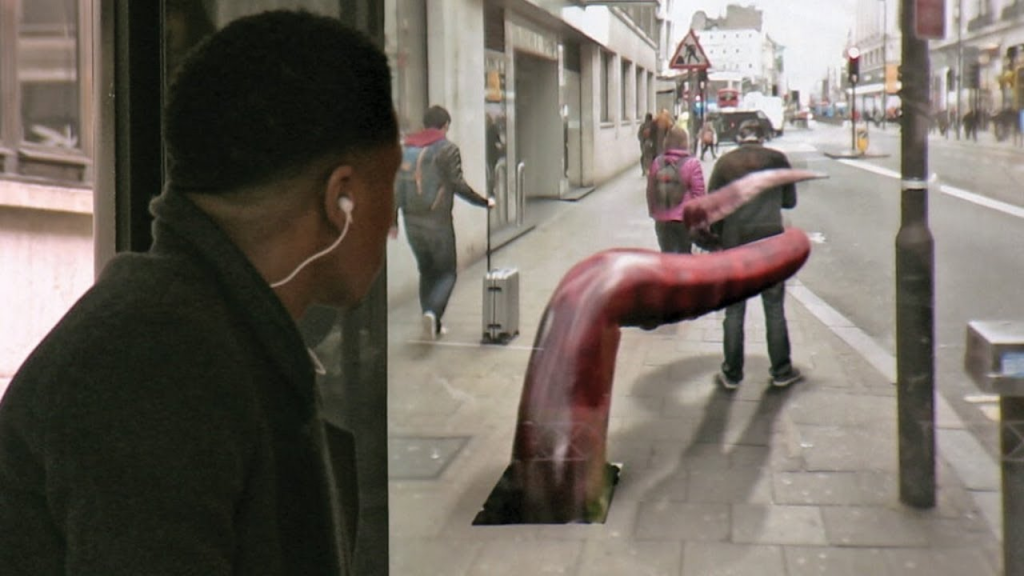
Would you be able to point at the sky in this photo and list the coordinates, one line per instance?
(814, 36)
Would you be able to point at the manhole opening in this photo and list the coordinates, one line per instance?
(504, 505)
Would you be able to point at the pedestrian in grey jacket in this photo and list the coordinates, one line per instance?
(428, 181)
(169, 424)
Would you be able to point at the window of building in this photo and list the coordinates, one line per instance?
(640, 93)
(644, 17)
(46, 78)
(605, 81)
(624, 82)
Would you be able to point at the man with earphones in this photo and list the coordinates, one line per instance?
(428, 180)
(170, 422)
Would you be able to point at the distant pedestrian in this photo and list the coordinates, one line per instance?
(708, 140)
(645, 135)
(428, 180)
(759, 218)
(662, 124)
(971, 125)
(676, 177)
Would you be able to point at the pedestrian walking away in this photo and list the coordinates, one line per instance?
(429, 178)
(676, 177)
(645, 135)
(708, 140)
(170, 422)
(663, 122)
(759, 218)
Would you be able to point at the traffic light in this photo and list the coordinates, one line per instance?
(853, 64)
(950, 79)
(702, 78)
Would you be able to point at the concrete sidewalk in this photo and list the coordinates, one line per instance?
(758, 482)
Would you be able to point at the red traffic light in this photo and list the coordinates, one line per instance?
(853, 63)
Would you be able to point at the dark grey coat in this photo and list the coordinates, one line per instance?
(168, 424)
(761, 216)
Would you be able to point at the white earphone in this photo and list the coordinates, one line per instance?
(346, 205)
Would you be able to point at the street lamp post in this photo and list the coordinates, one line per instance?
(853, 75)
(959, 62)
(915, 279)
(885, 64)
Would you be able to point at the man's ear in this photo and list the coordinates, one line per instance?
(340, 184)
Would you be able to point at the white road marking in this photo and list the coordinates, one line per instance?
(960, 193)
(991, 411)
(981, 398)
(984, 401)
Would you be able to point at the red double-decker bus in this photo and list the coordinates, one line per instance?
(728, 98)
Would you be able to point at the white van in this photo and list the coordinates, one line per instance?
(772, 106)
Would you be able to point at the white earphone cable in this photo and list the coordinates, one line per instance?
(307, 261)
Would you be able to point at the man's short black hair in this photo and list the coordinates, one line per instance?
(749, 131)
(436, 117)
(270, 93)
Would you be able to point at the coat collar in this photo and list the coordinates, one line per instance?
(179, 226)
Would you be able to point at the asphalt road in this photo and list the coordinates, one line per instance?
(853, 218)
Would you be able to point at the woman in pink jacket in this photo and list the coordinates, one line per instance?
(675, 177)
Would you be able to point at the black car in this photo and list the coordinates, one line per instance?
(727, 124)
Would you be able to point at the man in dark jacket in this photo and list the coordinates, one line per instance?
(169, 424)
(759, 218)
(429, 179)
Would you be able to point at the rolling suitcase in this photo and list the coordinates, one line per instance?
(501, 305)
(501, 300)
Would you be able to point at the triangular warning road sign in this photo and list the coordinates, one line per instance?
(689, 55)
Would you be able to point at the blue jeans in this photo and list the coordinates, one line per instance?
(433, 244)
(673, 237)
(777, 334)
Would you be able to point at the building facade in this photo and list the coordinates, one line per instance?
(974, 67)
(742, 53)
(877, 36)
(546, 101)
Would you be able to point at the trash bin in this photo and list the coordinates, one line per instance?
(994, 359)
(861, 132)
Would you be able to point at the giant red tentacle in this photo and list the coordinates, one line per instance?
(560, 445)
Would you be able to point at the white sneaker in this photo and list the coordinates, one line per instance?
(429, 324)
(793, 377)
(722, 380)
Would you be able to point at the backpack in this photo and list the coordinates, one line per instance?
(668, 190)
(418, 187)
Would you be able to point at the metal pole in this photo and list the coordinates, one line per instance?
(959, 62)
(885, 64)
(1011, 409)
(691, 80)
(853, 114)
(915, 325)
